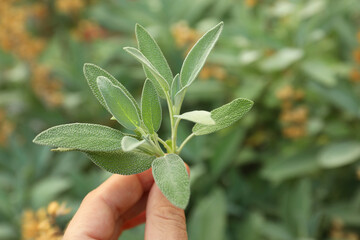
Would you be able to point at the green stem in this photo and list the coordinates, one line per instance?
(164, 144)
(171, 115)
(174, 135)
(159, 151)
(157, 148)
(184, 142)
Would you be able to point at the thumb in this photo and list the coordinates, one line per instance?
(163, 220)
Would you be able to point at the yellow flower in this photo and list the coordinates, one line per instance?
(251, 3)
(355, 76)
(183, 34)
(69, 6)
(41, 225)
(45, 86)
(356, 55)
(6, 128)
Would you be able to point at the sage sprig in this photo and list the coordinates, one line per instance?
(126, 154)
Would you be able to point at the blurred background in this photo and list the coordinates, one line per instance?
(289, 170)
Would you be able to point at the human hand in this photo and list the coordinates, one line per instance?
(123, 202)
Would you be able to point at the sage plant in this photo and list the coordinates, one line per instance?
(127, 154)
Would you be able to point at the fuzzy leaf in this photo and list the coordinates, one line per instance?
(177, 93)
(129, 143)
(150, 107)
(92, 72)
(175, 86)
(198, 116)
(124, 163)
(224, 116)
(172, 178)
(148, 46)
(81, 136)
(196, 58)
(119, 104)
(160, 84)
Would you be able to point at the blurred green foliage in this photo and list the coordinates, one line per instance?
(289, 170)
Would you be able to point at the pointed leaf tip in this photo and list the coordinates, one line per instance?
(150, 107)
(197, 116)
(118, 103)
(198, 54)
(225, 116)
(81, 136)
(92, 72)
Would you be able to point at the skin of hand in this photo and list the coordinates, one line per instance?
(123, 202)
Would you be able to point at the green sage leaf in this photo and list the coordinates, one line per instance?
(175, 86)
(177, 93)
(197, 116)
(160, 84)
(172, 178)
(339, 154)
(119, 162)
(81, 136)
(92, 72)
(119, 104)
(150, 107)
(196, 58)
(151, 50)
(224, 116)
(129, 143)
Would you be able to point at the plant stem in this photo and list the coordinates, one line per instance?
(164, 144)
(156, 146)
(171, 114)
(184, 143)
(174, 135)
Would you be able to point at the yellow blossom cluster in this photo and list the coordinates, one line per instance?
(337, 231)
(41, 225)
(89, 31)
(6, 128)
(14, 36)
(293, 116)
(184, 35)
(213, 71)
(251, 3)
(46, 86)
(69, 6)
(355, 72)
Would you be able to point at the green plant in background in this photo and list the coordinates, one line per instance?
(127, 154)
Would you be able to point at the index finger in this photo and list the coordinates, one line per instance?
(99, 215)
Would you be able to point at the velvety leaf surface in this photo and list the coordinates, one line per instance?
(160, 84)
(224, 116)
(119, 104)
(152, 52)
(197, 116)
(196, 58)
(177, 93)
(172, 178)
(150, 107)
(81, 136)
(129, 143)
(92, 72)
(124, 163)
(175, 86)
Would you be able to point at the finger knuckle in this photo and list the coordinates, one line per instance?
(170, 216)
